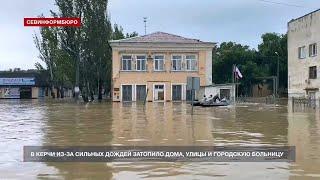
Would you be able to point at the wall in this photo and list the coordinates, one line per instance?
(213, 90)
(266, 90)
(35, 92)
(167, 77)
(302, 32)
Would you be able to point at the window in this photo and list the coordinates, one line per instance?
(141, 63)
(159, 63)
(313, 49)
(191, 63)
(158, 92)
(176, 62)
(313, 72)
(302, 52)
(126, 92)
(176, 92)
(126, 63)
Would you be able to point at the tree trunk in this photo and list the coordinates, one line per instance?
(100, 90)
(84, 94)
(61, 92)
(92, 97)
(52, 92)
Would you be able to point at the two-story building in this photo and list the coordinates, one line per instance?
(155, 67)
(303, 58)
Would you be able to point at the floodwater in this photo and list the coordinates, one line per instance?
(69, 124)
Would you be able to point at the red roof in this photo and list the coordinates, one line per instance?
(160, 37)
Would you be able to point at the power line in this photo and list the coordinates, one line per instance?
(145, 25)
(281, 3)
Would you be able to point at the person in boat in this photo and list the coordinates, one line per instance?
(215, 98)
(210, 98)
(204, 99)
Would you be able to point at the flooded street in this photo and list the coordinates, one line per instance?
(68, 124)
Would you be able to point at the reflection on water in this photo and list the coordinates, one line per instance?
(66, 124)
(304, 133)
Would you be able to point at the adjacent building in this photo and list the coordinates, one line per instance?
(155, 67)
(303, 58)
(22, 85)
(27, 84)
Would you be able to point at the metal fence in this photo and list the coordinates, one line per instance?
(305, 102)
(301, 103)
(265, 100)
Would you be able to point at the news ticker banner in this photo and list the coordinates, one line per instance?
(158, 154)
(54, 22)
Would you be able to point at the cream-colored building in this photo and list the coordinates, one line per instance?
(303, 58)
(155, 67)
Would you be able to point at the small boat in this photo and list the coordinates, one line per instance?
(196, 103)
(210, 103)
(214, 104)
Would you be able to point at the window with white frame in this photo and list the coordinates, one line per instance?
(191, 63)
(302, 52)
(176, 63)
(158, 62)
(141, 63)
(126, 62)
(313, 49)
(313, 72)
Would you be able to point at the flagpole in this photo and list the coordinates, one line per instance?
(233, 82)
(236, 80)
(232, 73)
(236, 88)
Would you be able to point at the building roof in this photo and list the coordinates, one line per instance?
(41, 79)
(160, 37)
(304, 15)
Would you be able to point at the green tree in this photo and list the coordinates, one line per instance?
(227, 54)
(71, 38)
(98, 52)
(81, 56)
(47, 44)
(117, 32)
(133, 34)
(272, 49)
(253, 64)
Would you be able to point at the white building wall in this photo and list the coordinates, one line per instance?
(303, 32)
(209, 68)
(213, 90)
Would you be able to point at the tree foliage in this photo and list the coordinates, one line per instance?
(80, 56)
(254, 64)
(119, 34)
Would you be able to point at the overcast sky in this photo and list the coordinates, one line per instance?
(242, 21)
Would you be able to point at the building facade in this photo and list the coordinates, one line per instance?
(303, 58)
(21, 85)
(29, 84)
(155, 67)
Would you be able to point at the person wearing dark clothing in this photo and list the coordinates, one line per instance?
(216, 97)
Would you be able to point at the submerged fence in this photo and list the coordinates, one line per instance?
(296, 103)
(265, 100)
(305, 102)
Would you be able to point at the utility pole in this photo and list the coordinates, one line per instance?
(278, 57)
(76, 88)
(145, 25)
(234, 83)
(78, 60)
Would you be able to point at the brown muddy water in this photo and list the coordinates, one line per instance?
(69, 124)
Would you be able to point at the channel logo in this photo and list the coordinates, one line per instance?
(46, 22)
